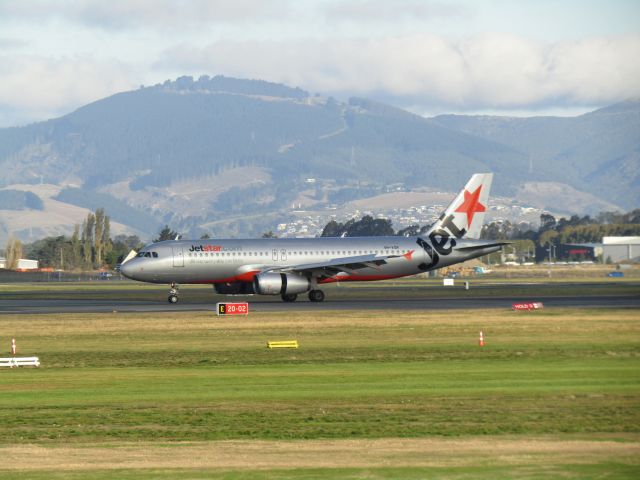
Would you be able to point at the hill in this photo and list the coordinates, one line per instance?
(598, 152)
(238, 153)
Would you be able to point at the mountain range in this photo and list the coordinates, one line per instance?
(232, 156)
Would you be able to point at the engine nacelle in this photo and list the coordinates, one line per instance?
(271, 283)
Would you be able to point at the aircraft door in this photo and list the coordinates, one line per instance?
(283, 254)
(178, 256)
(275, 255)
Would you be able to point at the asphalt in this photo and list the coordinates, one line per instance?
(256, 304)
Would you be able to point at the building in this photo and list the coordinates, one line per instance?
(621, 249)
(23, 264)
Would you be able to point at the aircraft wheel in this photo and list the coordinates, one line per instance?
(316, 295)
(173, 299)
(289, 297)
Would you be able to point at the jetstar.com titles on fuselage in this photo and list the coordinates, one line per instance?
(213, 248)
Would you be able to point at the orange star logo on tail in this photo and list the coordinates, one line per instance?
(471, 205)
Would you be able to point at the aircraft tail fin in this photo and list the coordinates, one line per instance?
(465, 215)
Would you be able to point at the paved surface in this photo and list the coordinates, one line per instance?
(30, 306)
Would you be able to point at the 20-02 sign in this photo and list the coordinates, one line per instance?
(224, 308)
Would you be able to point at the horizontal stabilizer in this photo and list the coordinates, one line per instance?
(481, 246)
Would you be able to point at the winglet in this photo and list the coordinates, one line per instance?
(465, 215)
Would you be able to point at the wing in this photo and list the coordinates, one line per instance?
(334, 266)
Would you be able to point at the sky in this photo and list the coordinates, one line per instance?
(504, 57)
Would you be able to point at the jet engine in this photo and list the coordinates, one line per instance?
(271, 283)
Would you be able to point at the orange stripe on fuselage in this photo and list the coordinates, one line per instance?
(243, 277)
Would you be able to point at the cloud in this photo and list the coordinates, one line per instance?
(384, 10)
(35, 87)
(484, 71)
(13, 43)
(423, 72)
(118, 14)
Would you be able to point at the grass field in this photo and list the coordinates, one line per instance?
(554, 393)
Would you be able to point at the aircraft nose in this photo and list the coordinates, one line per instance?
(127, 269)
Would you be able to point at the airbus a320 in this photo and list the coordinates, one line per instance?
(292, 266)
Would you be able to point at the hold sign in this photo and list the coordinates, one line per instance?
(528, 306)
(232, 308)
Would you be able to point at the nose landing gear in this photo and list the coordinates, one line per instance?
(173, 294)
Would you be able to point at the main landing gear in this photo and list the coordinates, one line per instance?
(316, 295)
(173, 294)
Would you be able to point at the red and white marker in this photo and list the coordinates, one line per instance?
(481, 339)
(13, 347)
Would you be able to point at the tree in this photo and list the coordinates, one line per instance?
(269, 234)
(166, 234)
(367, 226)
(548, 238)
(13, 253)
(120, 247)
(332, 229)
(524, 249)
(51, 251)
(97, 238)
(547, 221)
(76, 247)
(410, 231)
(107, 246)
(87, 240)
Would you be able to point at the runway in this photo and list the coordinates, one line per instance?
(257, 304)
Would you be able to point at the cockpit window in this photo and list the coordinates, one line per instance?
(147, 254)
(155, 254)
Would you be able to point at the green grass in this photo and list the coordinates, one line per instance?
(193, 377)
(532, 471)
(329, 401)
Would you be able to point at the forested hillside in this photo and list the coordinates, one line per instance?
(598, 152)
(193, 152)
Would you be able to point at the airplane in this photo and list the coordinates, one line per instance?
(292, 266)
